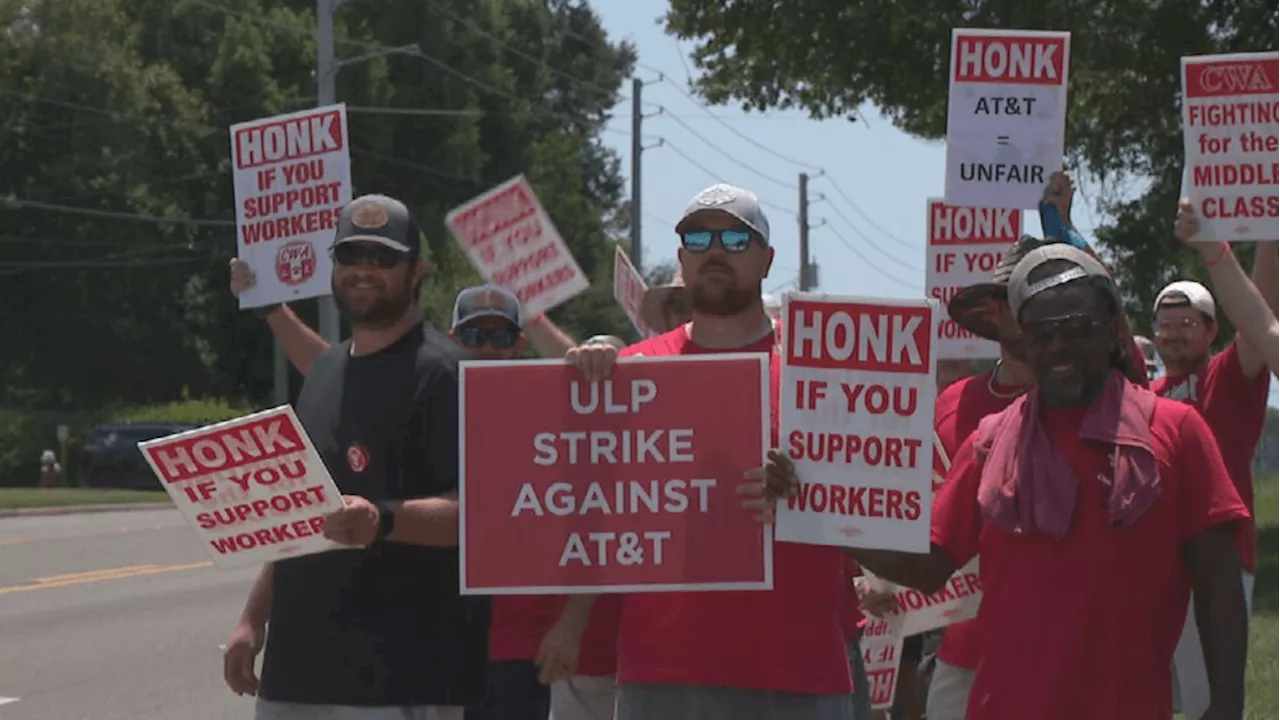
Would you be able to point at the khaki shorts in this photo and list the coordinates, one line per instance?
(1190, 679)
(584, 698)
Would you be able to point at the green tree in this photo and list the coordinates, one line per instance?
(121, 108)
(830, 58)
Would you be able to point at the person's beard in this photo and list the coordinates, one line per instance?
(384, 307)
(723, 300)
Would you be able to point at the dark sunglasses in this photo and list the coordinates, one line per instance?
(1076, 328)
(699, 241)
(380, 256)
(474, 337)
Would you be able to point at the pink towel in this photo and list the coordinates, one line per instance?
(1027, 486)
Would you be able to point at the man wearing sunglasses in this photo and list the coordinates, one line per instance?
(488, 322)
(1228, 388)
(772, 655)
(379, 630)
(1095, 504)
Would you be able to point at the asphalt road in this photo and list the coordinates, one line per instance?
(114, 616)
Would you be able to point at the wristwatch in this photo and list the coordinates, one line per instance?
(386, 519)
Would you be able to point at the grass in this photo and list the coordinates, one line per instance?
(1264, 642)
(18, 498)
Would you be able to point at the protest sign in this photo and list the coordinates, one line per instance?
(292, 176)
(881, 646)
(916, 612)
(512, 243)
(1006, 115)
(857, 420)
(622, 485)
(253, 489)
(1229, 128)
(628, 289)
(965, 245)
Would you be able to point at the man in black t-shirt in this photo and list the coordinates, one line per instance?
(378, 630)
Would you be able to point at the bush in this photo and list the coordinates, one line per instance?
(195, 412)
(24, 434)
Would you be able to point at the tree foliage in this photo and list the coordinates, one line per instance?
(830, 58)
(121, 108)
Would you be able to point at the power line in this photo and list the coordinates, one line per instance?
(716, 176)
(853, 249)
(115, 215)
(892, 256)
(727, 155)
(520, 53)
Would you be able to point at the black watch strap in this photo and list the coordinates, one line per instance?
(386, 519)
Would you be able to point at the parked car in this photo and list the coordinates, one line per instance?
(110, 457)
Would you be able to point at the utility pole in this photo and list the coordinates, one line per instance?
(637, 149)
(806, 275)
(326, 76)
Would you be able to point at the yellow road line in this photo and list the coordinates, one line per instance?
(92, 576)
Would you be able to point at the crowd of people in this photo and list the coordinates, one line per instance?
(1111, 509)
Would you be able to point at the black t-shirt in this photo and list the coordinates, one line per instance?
(385, 625)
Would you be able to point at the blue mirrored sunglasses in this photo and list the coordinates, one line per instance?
(474, 337)
(699, 241)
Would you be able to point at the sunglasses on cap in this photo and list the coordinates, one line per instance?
(700, 241)
(349, 254)
(498, 339)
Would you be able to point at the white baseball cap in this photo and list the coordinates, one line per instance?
(1197, 295)
(735, 201)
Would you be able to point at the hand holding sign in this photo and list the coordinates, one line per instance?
(777, 479)
(594, 361)
(355, 524)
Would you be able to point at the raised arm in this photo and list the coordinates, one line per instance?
(301, 344)
(1250, 303)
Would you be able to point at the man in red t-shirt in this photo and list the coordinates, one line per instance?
(1230, 391)
(1098, 508)
(775, 654)
(982, 309)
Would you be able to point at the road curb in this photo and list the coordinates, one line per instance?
(78, 509)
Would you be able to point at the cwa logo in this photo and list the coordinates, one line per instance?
(295, 262)
(1244, 78)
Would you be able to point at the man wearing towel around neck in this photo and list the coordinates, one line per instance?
(1098, 508)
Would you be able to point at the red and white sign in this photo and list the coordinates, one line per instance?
(292, 176)
(253, 489)
(1006, 115)
(628, 289)
(917, 612)
(857, 420)
(1230, 131)
(513, 243)
(965, 245)
(623, 485)
(881, 646)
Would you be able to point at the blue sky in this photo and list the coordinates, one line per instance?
(872, 242)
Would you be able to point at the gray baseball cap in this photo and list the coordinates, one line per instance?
(379, 219)
(487, 301)
(1021, 289)
(735, 201)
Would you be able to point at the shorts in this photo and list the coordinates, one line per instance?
(647, 701)
(1190, 679)
(272, 710)
(949, 692)
(512, 692)
(583, 698)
